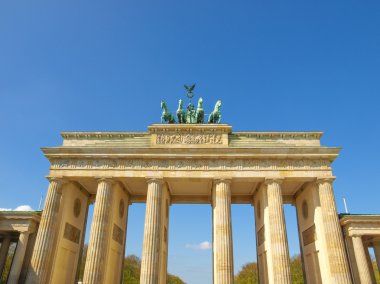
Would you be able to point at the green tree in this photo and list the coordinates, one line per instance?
(249, 272)
(172, 279)
(296, 269)
(131, 270)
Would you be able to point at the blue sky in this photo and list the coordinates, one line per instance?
(105, 66)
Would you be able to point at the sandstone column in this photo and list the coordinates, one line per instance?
(369, 262)
(44, 246)
(151, 246)
(222, 232)
(278, 241)
(361, 260)
(99, 236)
(376, 248)
(335, 250)
(18, 258)
(4, 251)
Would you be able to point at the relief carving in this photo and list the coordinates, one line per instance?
(117, 234)
(261, 236)
(186, 164)
(71, 233)
(309, 236)
(189, 139)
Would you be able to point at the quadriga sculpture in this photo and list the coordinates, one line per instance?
(200, 114)
(181, 113)
(166, 116)
(216, 115)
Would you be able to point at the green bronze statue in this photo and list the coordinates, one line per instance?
(166, 116)
(200, 114)
(190, 114)
(181, 113)
(216, 115)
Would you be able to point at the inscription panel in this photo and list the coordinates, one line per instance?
(309, 236)
(71, 233)
(189, 139)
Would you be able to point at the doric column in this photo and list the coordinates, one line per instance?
(361, 260)
(4, 251)
(44, 246)
(376, 248)
(278, 239)
(18, 258)
(338, 262)
(99, 236)
(222, 231)
(151, 247)
(369, 262)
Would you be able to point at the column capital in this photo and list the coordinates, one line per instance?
(60, 180)
(158, 180)
(329, 180)
(222, 180)
(356, 236)
(270, 180)
(105, 179)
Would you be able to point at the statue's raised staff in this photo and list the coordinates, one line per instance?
(216, 115)
(166, 116)
(181, 113)
(200, 114)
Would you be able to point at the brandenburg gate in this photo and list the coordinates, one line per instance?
(188, 163)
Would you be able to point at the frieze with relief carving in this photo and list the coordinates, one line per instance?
(189, 139)
(191, 164)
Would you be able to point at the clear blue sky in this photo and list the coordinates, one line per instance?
(105, 66)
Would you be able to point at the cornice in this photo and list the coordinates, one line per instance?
(166, 127)
(281, 135)
(101, 135)
(358, 219)
(328, 153)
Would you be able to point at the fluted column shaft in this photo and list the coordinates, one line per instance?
(361, 260)
(338, 262)
(44, 246)
(18, 258)
(99, 236)
(151, 247)
(4, 251)
(278, 239)
(376, 248)
(222, 226)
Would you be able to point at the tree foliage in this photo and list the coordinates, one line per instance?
(249, 272)
(131, 270)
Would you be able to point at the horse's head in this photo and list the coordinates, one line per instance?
(180, 104)
(163, 105)
(200, 102)
(218, 105)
